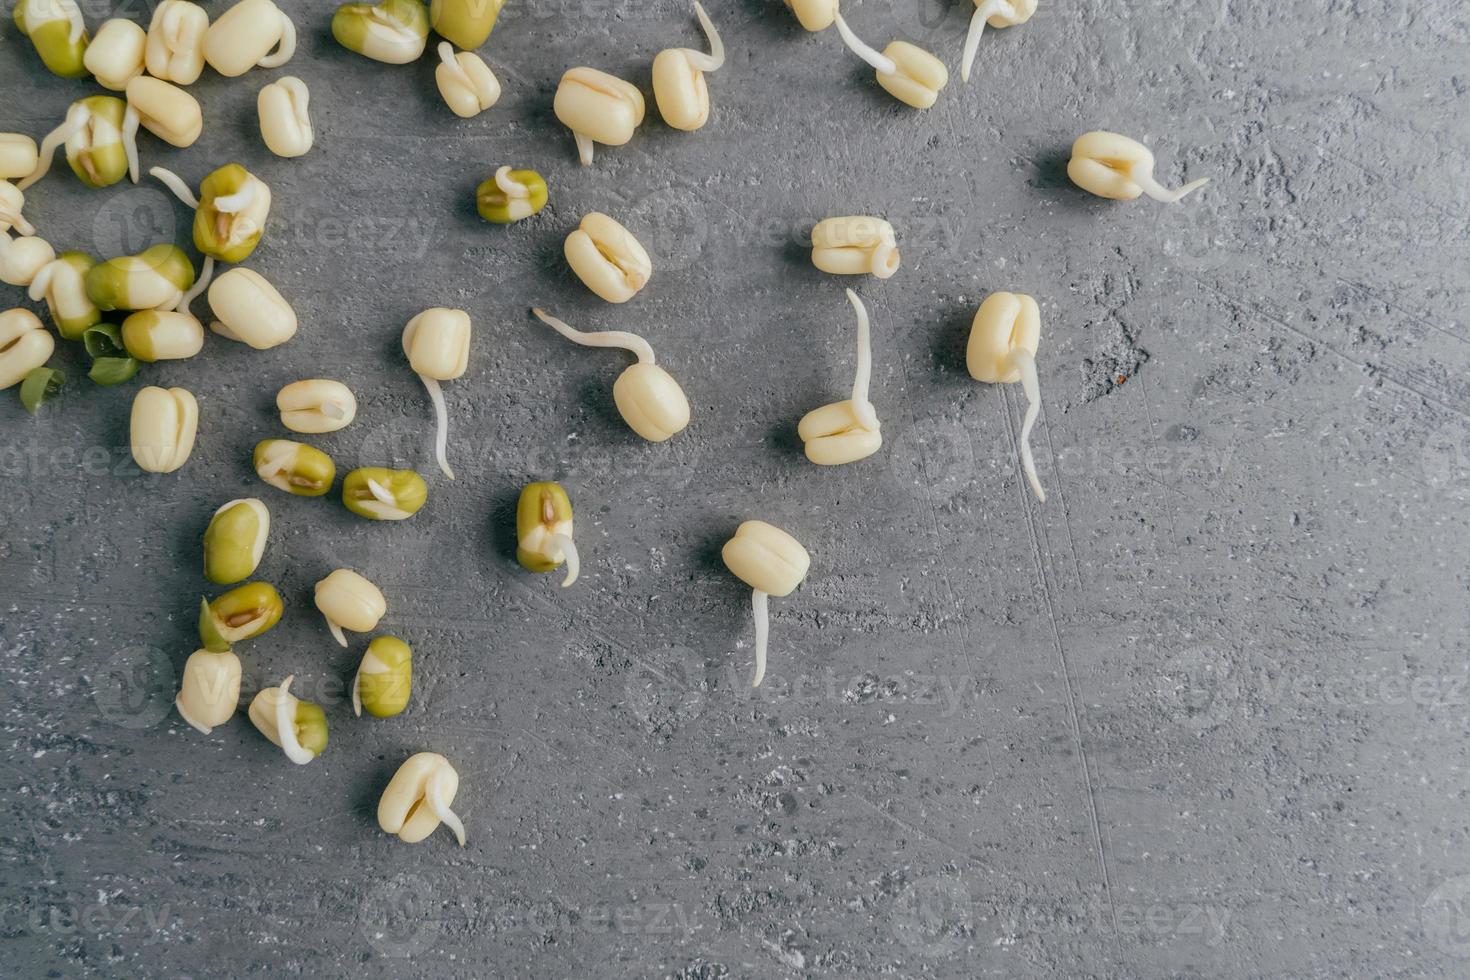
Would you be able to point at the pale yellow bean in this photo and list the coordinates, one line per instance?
(115, 56)
(164, 423)
(18, 156)
(597, 108)
(316, 405)
(175, 50)
(607, 258)
(248, 309)
(285, 123)
(165, 110)
(25, 344)
(245, 35)
(467, 84)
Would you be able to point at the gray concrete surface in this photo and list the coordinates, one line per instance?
(1201, 714)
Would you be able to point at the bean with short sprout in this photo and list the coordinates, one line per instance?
(298, 728)
(294, 467)
(381, 494)
(316, 405)
(597, 108)
(384, 679)
(418, 799)
(245, 36)
(510, 196)
(1120, 169)
(242, 613)
(679, 85)
(210, 692)
(394, 32)
(235, 540)
(544, 531)
(349, 602)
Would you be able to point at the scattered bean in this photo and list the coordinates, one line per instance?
(244, 36)
(299, 728)
(316, 405)
(465, 81)
(544, 530)
(510, 196)
(384, 495)
(242, 613)
(62, 283)
(294, 467)
(384, 679)
(115, 56)
(210, 692)
(58, 32)
(846, 431)
(607, 258)
(855, 245)
(25, 344)
(285, 124)
(175, 49)
(1002, 350)
(771, 562)
(248, 309)
(597, 108)
(163, 426)
(18, 156)
(393, 31)
(437, 344)
(350, 601)
(235, 541)
(679, 85)
(466, 23)
(1120, 169)
(154, 279)
(647, 396)
(418, 797)
(162, 335)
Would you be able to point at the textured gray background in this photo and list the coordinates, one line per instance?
(1204, 712)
